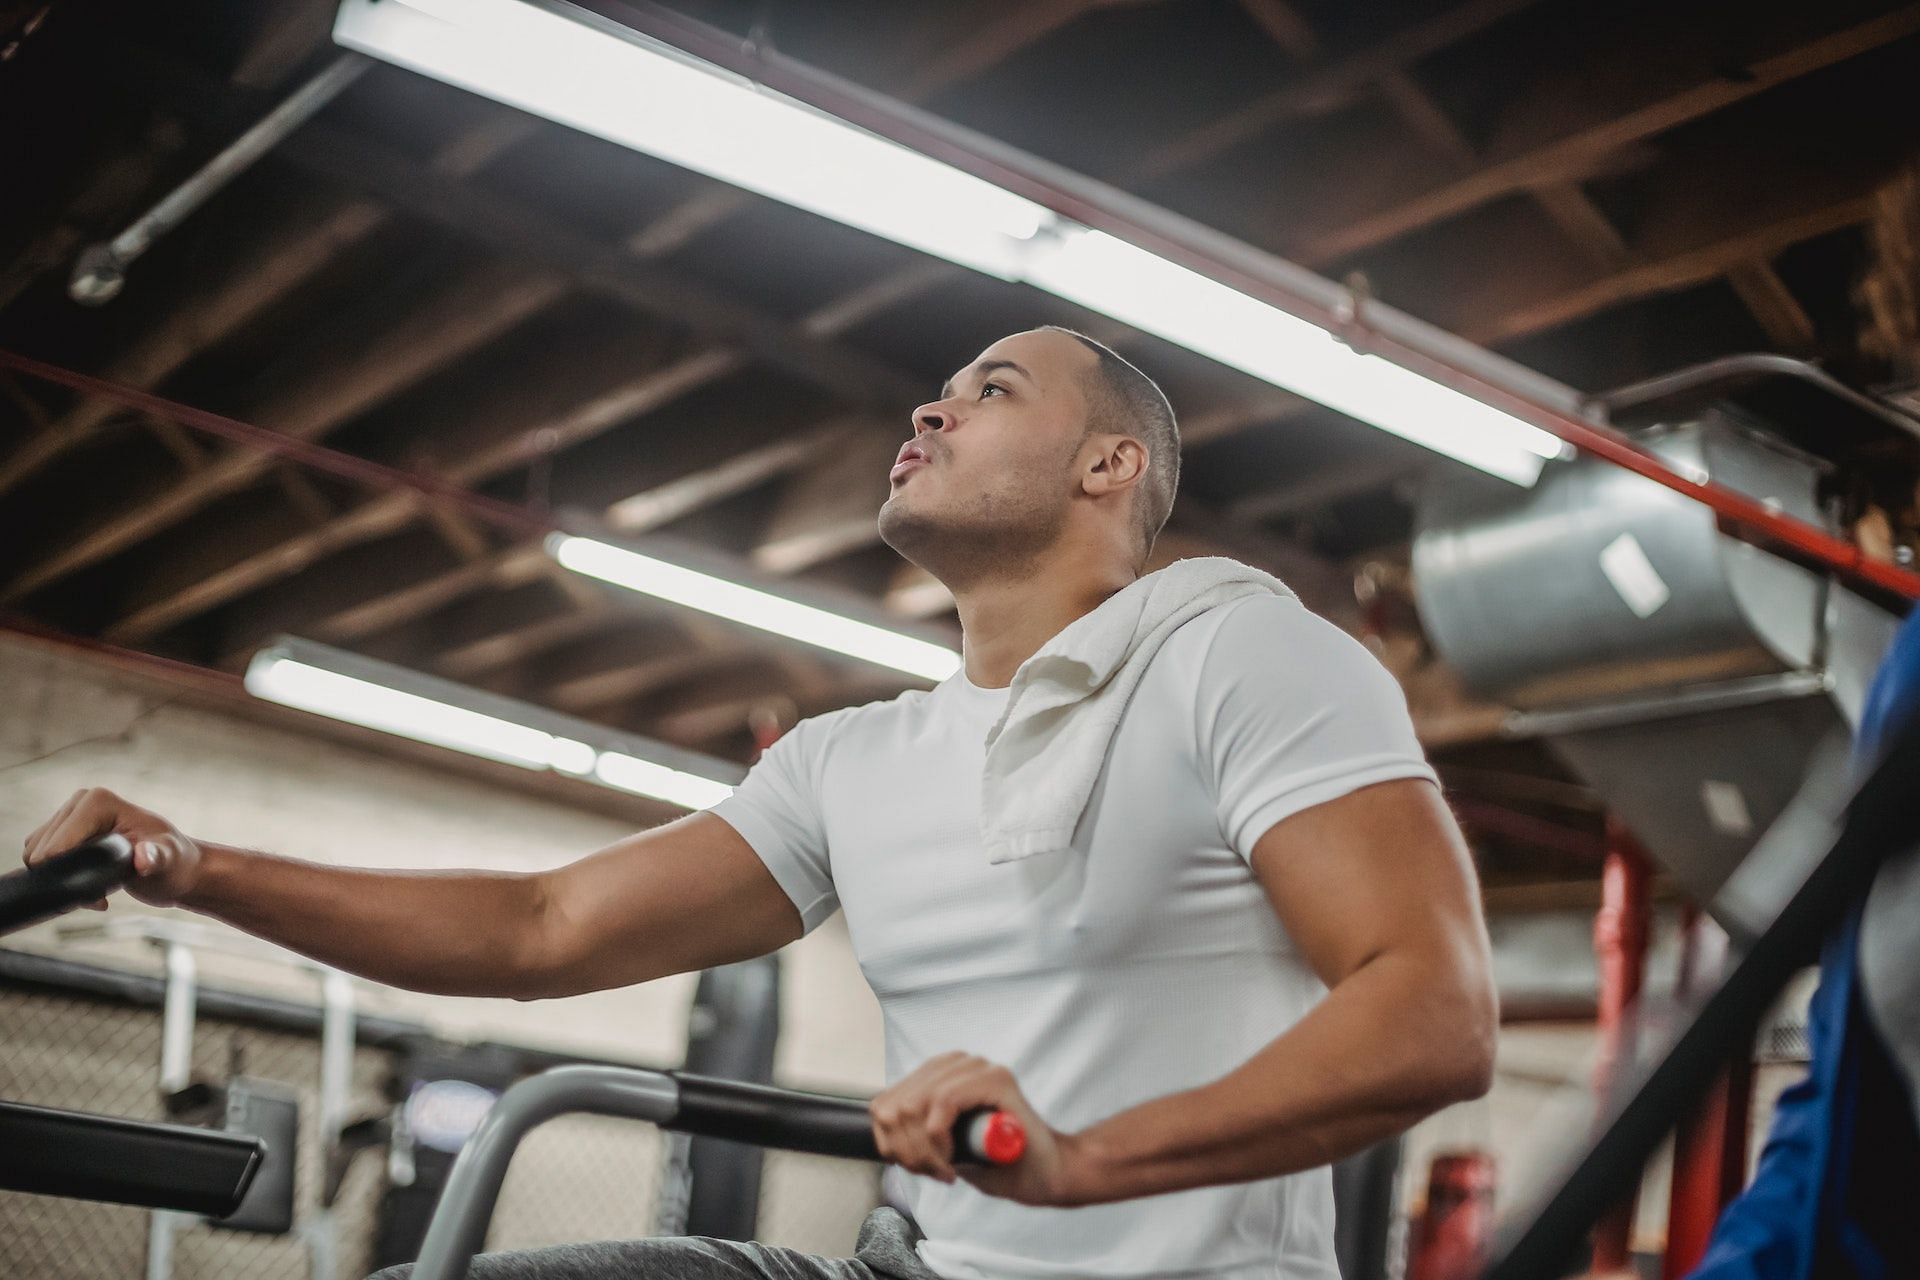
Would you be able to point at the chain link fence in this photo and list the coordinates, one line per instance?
(575, 1178)
(84, 1055)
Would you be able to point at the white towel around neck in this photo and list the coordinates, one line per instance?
(1045, 751)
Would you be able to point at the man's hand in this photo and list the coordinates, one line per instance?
(913, 1124)
(166, 862)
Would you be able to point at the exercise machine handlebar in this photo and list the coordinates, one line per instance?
(65, 881)
(809, 1122)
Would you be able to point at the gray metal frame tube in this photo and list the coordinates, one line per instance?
(459, 1225)
(100, 270)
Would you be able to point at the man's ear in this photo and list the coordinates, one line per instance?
(1120, 463)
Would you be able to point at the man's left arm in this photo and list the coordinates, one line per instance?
(1377, 890)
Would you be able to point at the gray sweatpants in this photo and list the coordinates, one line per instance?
(883, 1252)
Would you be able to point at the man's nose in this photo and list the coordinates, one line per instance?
(930, 417)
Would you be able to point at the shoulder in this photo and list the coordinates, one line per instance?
(1270, 655)
(1264, 630)
(817, 734)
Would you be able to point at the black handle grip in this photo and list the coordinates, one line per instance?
(64, 881)
(822, 1124)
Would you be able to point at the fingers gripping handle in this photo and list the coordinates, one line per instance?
(66, 881)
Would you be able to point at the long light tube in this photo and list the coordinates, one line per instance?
(752, 607)
(550, 60)
(375, 695)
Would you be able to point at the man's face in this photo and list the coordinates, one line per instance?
(995, 472)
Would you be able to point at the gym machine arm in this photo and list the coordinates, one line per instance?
(813, 1123)
(71, 1153)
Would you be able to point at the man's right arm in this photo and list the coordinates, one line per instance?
(680, 897)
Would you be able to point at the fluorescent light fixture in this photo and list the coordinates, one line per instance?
(755, 608)
(652, 97)
(378, 695)
(556, 60)
(644, 777)
(1156, 296)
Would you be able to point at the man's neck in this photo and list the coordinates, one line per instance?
(1006, 622)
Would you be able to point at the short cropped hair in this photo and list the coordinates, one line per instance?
(1122, 399)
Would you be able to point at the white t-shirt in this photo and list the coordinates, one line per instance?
(1142, 961)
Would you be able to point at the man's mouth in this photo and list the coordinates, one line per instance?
(912, 454)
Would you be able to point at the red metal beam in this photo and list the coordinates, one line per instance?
(1710, 1146)
(365, 471)
(1621, 933)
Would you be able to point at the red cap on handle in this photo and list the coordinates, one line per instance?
(995, 1136)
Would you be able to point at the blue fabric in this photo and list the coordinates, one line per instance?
(1834, 1194)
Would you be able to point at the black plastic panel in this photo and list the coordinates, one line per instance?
(159, 1166)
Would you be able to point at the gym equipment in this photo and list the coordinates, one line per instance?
(158, 1166)
(1880, 820)
(714, 1184)
(70, 1153)
(760, 1114)
(677, 1101)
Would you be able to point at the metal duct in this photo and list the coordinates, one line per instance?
(1688, 677)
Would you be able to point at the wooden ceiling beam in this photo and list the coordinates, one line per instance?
(510, 645)
(1564, 202)
(506, 438)
(1583, 222)
(623, 682)
(1655, 272)
(1602, 128)
(966, 42)
(225, 297)
(658, 238)
(342, 377)
(1767, 297)
(1707, 229)
(693, 471)
(1332, 80)
(510, 567)
(830, 508)
(523, 234)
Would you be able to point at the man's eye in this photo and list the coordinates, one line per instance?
(992, 386)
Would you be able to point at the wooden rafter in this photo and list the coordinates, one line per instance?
(1772, 303)
(343, 377)
(514, 439)
(1527, 161)
(1662, 270)
(1564, 202)
(1332, 80)
(230, 295)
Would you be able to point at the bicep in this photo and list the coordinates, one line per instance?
(681, 897)
(1381, 869)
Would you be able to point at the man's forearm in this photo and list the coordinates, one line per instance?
(446, 932)
(1383, 1050)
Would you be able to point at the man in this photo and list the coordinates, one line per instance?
(1260, 951)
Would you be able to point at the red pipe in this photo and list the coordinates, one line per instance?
(1455, 1231)
(1710, 1146)
(1621, 932)
(1749, 519)
(347, 466)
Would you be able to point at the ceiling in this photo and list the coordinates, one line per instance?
(421, 278)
